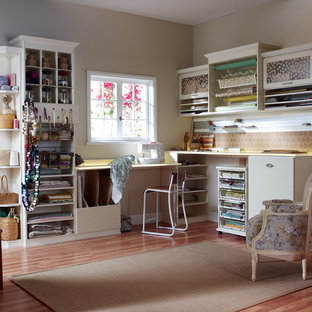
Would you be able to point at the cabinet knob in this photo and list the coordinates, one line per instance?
(270, 165)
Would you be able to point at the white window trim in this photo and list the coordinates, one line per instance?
(152, 111)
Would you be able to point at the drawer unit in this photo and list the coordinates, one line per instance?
(232, 200)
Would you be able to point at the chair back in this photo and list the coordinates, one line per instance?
(306, 191)
(307, 205)
(177, 179)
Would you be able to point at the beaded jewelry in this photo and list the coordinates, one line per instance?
(71, 119)
(30, 114)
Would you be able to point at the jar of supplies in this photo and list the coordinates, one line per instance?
(46, 95)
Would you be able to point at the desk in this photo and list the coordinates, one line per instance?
(206, 207)
(105, 219)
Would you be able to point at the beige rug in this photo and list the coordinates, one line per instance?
(197, 278)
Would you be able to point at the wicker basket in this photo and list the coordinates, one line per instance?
(6, 121)
(9, 228)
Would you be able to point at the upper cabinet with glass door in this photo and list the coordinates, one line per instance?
(287, 77)
(193, 90)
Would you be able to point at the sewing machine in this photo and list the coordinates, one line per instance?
(152, 153)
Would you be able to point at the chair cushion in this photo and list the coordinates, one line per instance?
(254, 225)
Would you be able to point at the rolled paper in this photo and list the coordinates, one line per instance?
(240, 98)
(236, 64)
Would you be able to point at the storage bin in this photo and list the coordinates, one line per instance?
(237, 81)
(5, 158)
(9, 228)
(206, 142)
(6, 121)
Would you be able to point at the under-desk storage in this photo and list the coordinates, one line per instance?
(96, 213)
(98, 219)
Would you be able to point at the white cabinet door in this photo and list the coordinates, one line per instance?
(289, 70)
(269, 177)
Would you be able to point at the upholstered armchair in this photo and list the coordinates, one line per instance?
(283, 227)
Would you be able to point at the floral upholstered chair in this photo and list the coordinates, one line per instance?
(283, 227)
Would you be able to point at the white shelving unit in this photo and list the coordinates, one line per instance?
(10, 63)
(196, 189)
(232, 201)
(47, 78)
(235, 79)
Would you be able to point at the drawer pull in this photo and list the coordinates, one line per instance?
(269, 165)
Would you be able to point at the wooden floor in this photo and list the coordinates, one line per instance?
(31, 259)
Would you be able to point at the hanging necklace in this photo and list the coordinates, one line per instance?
(32, 173)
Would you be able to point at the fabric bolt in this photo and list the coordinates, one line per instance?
(119, 174)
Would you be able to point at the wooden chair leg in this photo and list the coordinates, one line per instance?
(304, 267)
(254, 260)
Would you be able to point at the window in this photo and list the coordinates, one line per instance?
(121, 107)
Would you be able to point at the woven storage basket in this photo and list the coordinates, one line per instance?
(6, 121)
(5, 196)
(9, 228)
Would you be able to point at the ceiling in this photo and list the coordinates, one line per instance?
(189, 12)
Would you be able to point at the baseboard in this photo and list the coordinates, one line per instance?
(213, 216)
(138, 219)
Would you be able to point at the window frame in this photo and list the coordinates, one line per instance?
(151, 109)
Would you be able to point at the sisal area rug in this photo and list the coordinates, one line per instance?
(199, 277)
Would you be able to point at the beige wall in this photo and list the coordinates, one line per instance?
(111, 42)
(281, 22)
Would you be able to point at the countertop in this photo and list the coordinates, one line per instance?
(246, 154)
(96, 164)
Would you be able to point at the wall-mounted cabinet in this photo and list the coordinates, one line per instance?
(235, 79)
(193, 90)
(288, 77)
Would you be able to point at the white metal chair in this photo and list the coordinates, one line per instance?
(175, 189)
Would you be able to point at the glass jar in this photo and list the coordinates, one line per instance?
(47, 77)
(29, 93)
(62, 79)
(63, 97)
(46, 95)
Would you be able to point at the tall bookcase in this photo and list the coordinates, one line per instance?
(47, 79)
(10, 137)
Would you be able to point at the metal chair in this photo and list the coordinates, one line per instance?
(176, 188)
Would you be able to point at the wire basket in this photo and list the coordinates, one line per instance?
(9, 228)
(239, 81)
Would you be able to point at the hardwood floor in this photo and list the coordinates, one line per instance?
(24, 260)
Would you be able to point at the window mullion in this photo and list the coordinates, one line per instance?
(119, 109)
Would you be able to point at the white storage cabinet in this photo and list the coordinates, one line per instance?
(276, 177)
(47, 78)
(10, 64)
